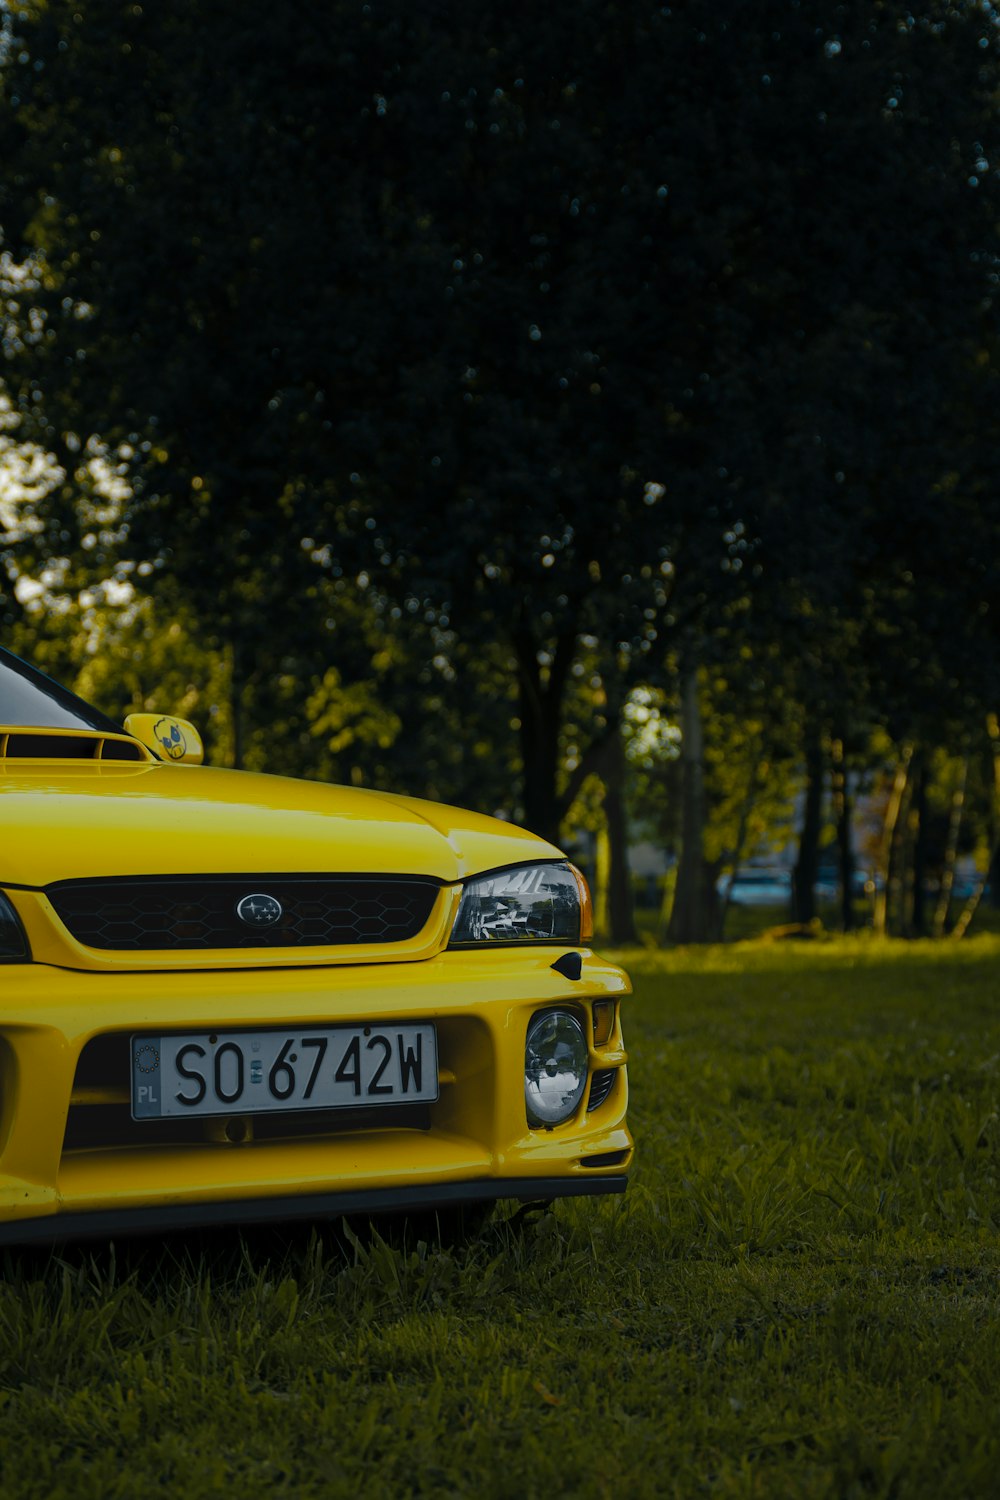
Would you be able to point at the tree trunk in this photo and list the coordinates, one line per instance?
(886, 901)
(540, 705)
(993, 822)
(620, 913)
(961, 927)
(694, 915)
(916, 880)
(601, 892)
(956, 810)
(807, 862)
(539, 762)
(738, 853)
(845, 848)
(666, 906)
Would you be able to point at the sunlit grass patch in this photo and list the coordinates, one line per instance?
(799, 1294)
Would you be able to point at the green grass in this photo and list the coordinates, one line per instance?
(798, 1296)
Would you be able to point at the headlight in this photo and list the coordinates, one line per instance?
(533, 903)
(13, 943)
(555, 1067)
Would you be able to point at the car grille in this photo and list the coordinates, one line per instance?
(200, 913)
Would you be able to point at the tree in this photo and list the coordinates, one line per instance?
(563, 330)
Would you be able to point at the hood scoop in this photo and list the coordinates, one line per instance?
(68, 744)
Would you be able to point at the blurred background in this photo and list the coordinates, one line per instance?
(586, 413)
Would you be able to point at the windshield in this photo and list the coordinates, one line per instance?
(30, 700)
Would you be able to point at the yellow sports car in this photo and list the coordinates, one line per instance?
(231, 998)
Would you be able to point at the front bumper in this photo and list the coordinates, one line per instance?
(474, 1145)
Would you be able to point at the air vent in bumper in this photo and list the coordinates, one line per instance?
(600, 1087)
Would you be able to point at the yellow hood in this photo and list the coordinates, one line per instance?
(60, 822)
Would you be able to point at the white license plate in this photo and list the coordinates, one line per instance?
(251, 1072)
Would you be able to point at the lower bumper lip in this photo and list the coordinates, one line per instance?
(162, 1218)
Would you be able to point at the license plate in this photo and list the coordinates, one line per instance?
(253, 1072)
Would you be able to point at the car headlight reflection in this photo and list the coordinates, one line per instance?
(555, 1067)
(534, 903)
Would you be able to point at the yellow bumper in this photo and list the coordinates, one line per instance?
(475, 1142)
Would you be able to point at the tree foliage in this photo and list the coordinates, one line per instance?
(429, 363)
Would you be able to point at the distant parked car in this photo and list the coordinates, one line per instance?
(757, 888)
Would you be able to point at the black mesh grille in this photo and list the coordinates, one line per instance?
(317, 911)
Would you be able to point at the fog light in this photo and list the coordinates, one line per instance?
(604, 1020)
(555, 1067)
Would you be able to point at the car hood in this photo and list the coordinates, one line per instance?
(60, 822)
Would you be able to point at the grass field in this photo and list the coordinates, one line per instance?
(798, 1296)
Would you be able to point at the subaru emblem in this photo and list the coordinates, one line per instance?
(259, 910)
